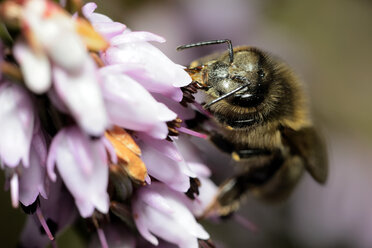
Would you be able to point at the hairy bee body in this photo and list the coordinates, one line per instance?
(262, 119)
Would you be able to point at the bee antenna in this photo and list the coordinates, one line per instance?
(211, 42)
(226, 95)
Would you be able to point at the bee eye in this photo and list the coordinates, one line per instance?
(261, 73)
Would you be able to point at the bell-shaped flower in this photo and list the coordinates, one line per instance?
(57, 212)
(32, 180)
(49, 35)
(16, 125)
(83, 97)
(165, 163)
(131, 106)
(83, 166)
(207, 190)
(159, 74)
(35, 66)
(52, 48)
(162, 212)
(54, 32)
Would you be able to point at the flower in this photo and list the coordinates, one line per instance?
(16, 126)
(158, 73)
(51, 48)
(32, 180)
(82, 164)
(164, 163)
(131, 106)
(57, 213)
(90, 111)
(160, 211)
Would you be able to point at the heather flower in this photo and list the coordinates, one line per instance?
(33, 180)
(82, 164)
(159, 74)
(160, 211)
(16, 126)
(161, 156)
(81, 94)
(55, 213)
(51, 50)
(91, 109)
(132, 106)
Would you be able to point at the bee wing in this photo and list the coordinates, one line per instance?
(307, 143)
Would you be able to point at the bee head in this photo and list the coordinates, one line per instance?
(244, 82)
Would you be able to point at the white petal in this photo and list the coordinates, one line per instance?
(131, 106)
(88, 9)
(138, 36)
(32, 179)
(35, 68)
(162, 75)
(165, 169)
(89, 190)
(178, 227)
(68, 51)
(16, 125)
(57, 35)
(81, 94)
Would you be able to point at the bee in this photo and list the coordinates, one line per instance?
(262, 119)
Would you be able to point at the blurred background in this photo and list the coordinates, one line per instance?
(329, 44)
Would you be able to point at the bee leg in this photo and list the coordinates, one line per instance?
(233, 191)
(230, 195)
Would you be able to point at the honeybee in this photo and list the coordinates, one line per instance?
(262, 118)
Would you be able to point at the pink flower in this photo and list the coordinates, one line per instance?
(57, 212)
(82, 164)
(16, 125)
(51, 51)
(82, 95)
(162, 212)
(165, 163)
(159, 74)
(103, 24)
(32, 180)
(131, 106)
(208, 190)
(55, 37)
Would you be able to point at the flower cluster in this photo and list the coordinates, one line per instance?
(90, 125)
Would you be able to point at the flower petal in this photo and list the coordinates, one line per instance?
(82, 95)
(178, 227)
(165, 169)
(16, 125)
(138, 36)
(162, 75)
(32, 179)
(35, 68)
(129, 105)
(89, 190)
(165, 147)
